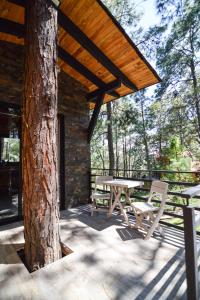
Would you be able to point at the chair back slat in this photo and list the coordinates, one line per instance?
(158, 188)
(100, 179)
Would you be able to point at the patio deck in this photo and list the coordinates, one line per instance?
(109, 261)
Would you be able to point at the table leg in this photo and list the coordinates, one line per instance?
(127, 194)
(111, 199)
(117, 192)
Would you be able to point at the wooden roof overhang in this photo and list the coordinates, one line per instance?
(92, 48)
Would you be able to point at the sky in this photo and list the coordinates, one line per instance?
(150, 17)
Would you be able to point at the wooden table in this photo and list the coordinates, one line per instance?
(118, 186)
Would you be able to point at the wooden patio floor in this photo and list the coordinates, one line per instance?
(109, 261)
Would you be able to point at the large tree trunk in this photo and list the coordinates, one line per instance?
(40, 167)
(110, 139)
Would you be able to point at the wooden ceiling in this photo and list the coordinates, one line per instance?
(93, 47)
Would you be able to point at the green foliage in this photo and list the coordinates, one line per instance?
(161, 131)
(11, 150)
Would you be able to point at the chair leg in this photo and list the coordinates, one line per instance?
(161, 231)
(149, 233)
(94, 207)
(151, 230)
(139, 218)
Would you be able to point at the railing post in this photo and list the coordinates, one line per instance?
(191, 253)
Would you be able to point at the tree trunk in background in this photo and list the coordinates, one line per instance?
(116, 152)
(160, 144)
(110, 140)
(39, 166)
(145, 138)
(124, 156)
(194, 82)
(196, 98)
(129, 157)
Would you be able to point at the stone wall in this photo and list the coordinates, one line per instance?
(71, 103)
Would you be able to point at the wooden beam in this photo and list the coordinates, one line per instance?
(80, 68)
(107, 88)
(56, 3)
(94, 117)
(18, 2)
(13, 28)
(86, 43)
(16, 29)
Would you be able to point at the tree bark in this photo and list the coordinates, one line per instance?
(39, 165)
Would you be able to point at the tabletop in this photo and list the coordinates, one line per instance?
(193, 191)
(124, 183)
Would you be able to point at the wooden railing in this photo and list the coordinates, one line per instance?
(191, 221)
(174, 207)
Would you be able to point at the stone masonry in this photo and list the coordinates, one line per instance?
(71, 103)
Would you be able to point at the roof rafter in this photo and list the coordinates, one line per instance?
(18, 2)
(107, 88)
(75, 64)
(13, 28)
(87, 44)
(18, 30)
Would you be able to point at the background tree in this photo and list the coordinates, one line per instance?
(143, 125)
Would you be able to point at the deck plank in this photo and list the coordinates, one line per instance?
(109, 261)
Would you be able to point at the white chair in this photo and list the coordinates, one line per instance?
(96, 195)
(144, 211)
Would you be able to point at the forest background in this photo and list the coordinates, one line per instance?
(158, 128)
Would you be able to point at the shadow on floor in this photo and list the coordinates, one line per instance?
(99, 221)
(127, 234)
(9, 253)
(168, 284)
(165, 282)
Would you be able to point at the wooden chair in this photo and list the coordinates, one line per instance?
(145, 211)
(96, 195)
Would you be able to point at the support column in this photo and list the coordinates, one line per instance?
(39, 165)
